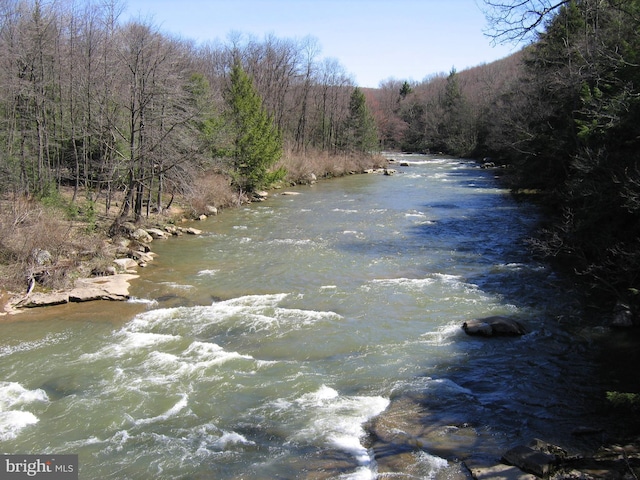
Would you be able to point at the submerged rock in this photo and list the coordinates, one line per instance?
(493, 326)
(622, 316)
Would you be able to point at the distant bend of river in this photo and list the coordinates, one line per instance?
(314, 335)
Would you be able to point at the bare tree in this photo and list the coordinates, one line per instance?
(386, 111)
(33, 71)
(519, 21)
(311, 49)
(273, 64)
(155, 98)
(331, 102)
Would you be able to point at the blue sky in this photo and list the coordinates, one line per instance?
(374, 40)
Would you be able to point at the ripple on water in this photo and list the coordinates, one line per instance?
(378, 273)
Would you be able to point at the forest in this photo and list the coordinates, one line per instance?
(104, 105)
(102, 117)
(105, 119)
(560, 120)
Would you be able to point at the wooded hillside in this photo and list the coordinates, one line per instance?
(112, 110)
(104, 121)
(107, 106)
(561, 117)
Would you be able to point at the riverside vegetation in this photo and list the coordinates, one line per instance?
(121, 113)
(55, 240)
(561, 117)
(106, 122)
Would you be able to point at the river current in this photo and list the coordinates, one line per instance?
(314, 335)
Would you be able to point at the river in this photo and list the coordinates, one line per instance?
(314, 335)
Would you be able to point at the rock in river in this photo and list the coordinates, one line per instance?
(493, 326)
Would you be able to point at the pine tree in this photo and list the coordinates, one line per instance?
(361, 133)
(257, 143)
(405, 90)
(455, 133)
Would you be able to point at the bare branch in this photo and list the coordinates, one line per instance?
(518, 21)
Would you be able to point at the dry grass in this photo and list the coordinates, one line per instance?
(40, 243)
(57, 241)
(302, 167)
(211, 189)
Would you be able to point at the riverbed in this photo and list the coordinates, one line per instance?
(314, 335)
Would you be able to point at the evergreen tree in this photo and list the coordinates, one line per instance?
(405, 90)
(577, 139)
(256, 142)
(361, 132)
(455, 133)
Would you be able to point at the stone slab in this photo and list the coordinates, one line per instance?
(530, 460)
(501, 472)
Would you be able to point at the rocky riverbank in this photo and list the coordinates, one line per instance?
(125, 251)
(130, 250)
(407, 431)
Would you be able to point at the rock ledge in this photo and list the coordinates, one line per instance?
(113, 287)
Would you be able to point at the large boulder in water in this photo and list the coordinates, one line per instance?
(493, 326)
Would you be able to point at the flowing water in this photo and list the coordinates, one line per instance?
(311, 336)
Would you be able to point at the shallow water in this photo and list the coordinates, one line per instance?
(311, 336)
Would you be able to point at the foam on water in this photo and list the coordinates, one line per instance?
(336, 421)
(173, 411)
(253, 312)
(361, 473)
(14, 399)
(445, 284)
(208, 273)
(130, 342)
(292, 241)
(13, 421)
(49, 339)
(143, 301)
(443, 335)
(228, 439)
(429, 466)
(197, 359)
(13, 394)
(415, 160)
(409, 283)
(177, 286)
(445, 387)
(415, 213)
(414, 175)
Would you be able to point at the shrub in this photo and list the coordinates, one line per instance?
(301, 167)
(39, 243)
(211, 189)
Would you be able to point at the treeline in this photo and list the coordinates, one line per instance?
(109, 107)
(562, 116)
